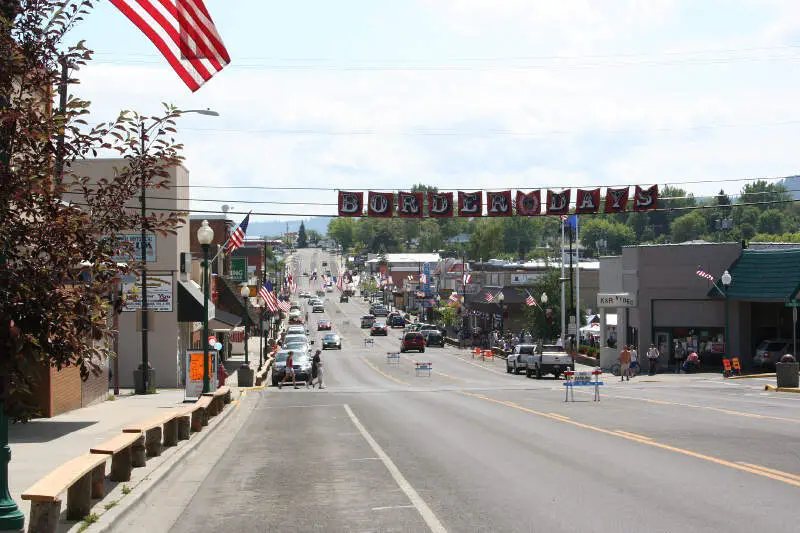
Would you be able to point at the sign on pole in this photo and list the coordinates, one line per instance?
(239, 269)
(159, 293)
(194, 373)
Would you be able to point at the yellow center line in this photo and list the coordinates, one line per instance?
(559, 415)
(757, 470)
(384, 374)
(772, 471)
(634, 435)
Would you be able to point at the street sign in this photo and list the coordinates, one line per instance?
(239, 269)
(571, 329)
(623, 299)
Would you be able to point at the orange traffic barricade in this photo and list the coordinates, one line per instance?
(726, 367)
(476, 352)
(737, 369)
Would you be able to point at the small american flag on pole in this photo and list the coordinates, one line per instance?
(237, 237)
(530, 301)
(467, 277)
(489, 296)
(268, 296)
(454, 298)
(703, 274)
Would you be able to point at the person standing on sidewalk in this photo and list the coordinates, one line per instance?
(652, 359)
(289, 370)
(624, 364)
(634, 366)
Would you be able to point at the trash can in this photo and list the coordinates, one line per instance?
(137, 381)
(787, 372)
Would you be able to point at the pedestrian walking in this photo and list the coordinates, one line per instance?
(680, 353)
(624, 364)
(317, 370)
(289, 371)
(634, 366)
(652, 359)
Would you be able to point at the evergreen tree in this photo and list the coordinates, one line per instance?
(302, 238)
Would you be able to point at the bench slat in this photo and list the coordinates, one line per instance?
(116, 444)
(59, 480)
(154, 422)
(204, 402)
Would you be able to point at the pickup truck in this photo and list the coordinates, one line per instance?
(517, 360)
(548, 359)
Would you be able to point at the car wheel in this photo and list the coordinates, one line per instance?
(538, 373)
(402, 350)
(422, 350)
(274, 382)
(557, 374)
(528, 373)
(508, 369)
(517, 370)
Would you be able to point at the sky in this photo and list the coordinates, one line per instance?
(468, 94)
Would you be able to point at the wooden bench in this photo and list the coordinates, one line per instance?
(219, 398)
(120, 448)
(83, 478)
(152, 431)
(201, 412)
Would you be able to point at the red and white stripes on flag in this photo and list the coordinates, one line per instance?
(489, 296)
(454, 298)
(703, 274)
(284, 305)
(270, 300)
(466, 278)
(183, 32)
(530, 300)
(237, 237)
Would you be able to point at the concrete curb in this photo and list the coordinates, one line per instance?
(752, 376)
(107, 520)
(782, 389)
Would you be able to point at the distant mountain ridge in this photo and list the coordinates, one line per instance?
(273, 229)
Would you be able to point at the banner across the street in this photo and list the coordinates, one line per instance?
(498, 203)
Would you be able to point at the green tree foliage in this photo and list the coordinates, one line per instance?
(430, 236)
(314, 236)
(771, 221)
(486, 241)
(537, 318)
(688, 227)
(762, 191)
(302, 238)
(59, 238)
(615, 234)
(342, 231)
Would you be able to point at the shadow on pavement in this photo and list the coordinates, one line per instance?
(43, 430)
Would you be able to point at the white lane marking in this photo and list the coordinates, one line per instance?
(392, 507)
(422, 508)
(366, 459)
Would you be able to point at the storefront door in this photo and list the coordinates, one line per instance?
(664, 344)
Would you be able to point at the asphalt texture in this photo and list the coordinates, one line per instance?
(472, 448)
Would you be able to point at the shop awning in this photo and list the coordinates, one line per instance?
(762, 275)
(190, 302)
(224, 321)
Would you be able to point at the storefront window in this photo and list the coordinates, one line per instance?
(708, 343)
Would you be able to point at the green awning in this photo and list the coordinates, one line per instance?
(763, 275)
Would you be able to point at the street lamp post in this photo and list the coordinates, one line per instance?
(500, 299)
(205, 235)
(245, 292)
(145, 322)
(543, 299)
(726, 282)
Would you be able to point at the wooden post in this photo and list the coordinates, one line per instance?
(184, 427)
(138, 453)
(171, 432)
(121, 465)
(98, 481)
(44, 517)
(197, 420)
(153, 441)
(79, 498)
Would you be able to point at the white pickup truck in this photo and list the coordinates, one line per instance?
(549, 359)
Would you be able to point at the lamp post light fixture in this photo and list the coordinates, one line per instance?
(143, 147)
(500, 299)
(726, 280)
(205, 235)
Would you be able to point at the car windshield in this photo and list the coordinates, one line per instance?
(526, 349)
(296, 338)
(554, 348)
(773, 346)
(412, 336)
(379, 325)
(331, 337)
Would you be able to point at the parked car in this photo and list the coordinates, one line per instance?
(295, 337)
(332, 341)
(380, 310)
(770, 351)
(413, 341)
(367, 321)
(296, 329)
(318, 308)
(433, 337)
(301, 363)
(324, 324)
(551, 359)
(517, 360)
(397, 321)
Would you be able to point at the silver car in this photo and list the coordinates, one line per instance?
(517, 360)
(770, 351)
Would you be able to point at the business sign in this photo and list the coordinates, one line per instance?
(135, 240)
(195, 371)
(498, 203)
(622, 299)
(239, 269)
(159, 293)
(524, 279)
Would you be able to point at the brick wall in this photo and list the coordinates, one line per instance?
(65, 390)
(95, 389)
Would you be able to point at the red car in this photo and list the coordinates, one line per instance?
(324, 324)
(379, 328)
(413, 341)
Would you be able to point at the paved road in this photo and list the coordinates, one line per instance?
(471, 448)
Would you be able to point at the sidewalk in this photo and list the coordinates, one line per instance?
(235, 361)
(42, 445)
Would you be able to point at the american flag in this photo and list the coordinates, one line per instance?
(292, 284)
(489, 296)
(268, 296)
(237, 237)
(184, 33)
(703, 274)
(423, 278)
(340, 283)
(467, 278)
(454, 298)
(530, 300)
(564, 218)
(284, 305)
